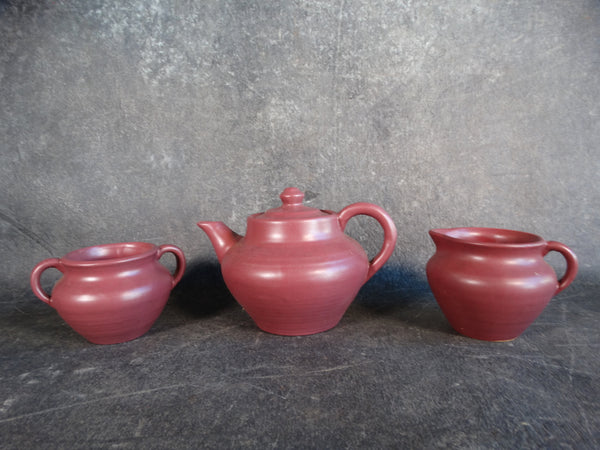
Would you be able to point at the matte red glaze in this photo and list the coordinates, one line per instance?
(491, 284)
(295, 271)
(110, 293)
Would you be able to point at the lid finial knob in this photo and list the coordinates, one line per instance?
(292, 196)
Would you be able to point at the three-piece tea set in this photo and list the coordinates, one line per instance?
(295, 272)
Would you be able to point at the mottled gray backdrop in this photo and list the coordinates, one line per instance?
(132, 120)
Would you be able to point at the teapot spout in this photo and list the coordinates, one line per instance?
(221, 237)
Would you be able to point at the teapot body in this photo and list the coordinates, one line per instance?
(296, 288)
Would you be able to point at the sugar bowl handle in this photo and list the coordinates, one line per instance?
(36, 274)
(179, 257)
(389, 231)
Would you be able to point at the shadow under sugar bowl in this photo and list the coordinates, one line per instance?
(110, 293)
(490, 283)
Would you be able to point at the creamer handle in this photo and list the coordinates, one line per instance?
(572, 263)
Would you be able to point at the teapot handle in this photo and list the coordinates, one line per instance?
(389, 231)
(180, 258)
(572, 263)
(36, 274)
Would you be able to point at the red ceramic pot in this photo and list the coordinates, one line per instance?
(110, 293)
(491, 284)
(295, 271)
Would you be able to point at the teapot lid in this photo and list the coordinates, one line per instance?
(291, 208)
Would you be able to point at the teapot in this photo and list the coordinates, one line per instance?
(295, 272)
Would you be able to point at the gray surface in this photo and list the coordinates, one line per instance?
(392, 374)
(128, 121)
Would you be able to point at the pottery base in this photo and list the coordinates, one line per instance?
(488, 339)
(296, 331)
(117, 338)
